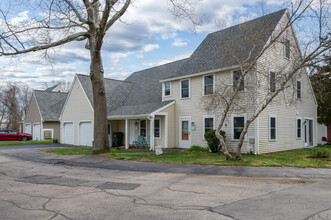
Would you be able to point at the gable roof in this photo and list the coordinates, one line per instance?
(50, 89)
(116, 91)
(50, 104)
(218, 49)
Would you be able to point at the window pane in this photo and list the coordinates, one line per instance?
(287, 48)
(236, 76)
(185, 88)
(272, 128)
(157, 128)
(238, 126)
(185, 134)
(143, 128)
(298, 89)
(298, 128)
(209, 85)
(167, 89)
(272, 81)
(209, 124)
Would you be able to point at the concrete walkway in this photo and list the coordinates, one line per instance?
(30, 153)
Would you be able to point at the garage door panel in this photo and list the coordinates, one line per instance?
(68, 133)
(85, 133)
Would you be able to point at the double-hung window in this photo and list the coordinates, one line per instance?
(143, 129)
(167, 89)
(298, 88)
(209, 123)
(185, 88)
(272, 127)
(235, 77)
(272, 81)
(157, 128)
(298, 128)
(238, 124)
(208, 85)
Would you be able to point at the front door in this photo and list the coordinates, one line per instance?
(308, 132)
(185, 132)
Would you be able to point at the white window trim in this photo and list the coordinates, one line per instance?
(269, 127)
(274, 71)
(163, 89)
(160, 128)
(296, 128)
(232, 125)
(203, 124)
(49, 129)
(232, 81)
(203, 84)
(189, 88)
(296, 89)
(145, 127)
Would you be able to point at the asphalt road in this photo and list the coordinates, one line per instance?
(34, 185)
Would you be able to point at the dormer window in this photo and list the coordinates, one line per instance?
(167, 89)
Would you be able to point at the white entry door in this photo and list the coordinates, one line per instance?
(27, 128)
(68, 133)
(184, 132)
(36, 132)
(132, 131)
(85, 134)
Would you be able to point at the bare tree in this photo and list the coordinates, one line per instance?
(228, 98)
(60, 22)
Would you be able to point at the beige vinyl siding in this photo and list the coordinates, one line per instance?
(77, 109)
(284, 106)
(33, 114)
(194, 108)
(55, 126)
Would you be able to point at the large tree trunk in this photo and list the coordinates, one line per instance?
(101, 142)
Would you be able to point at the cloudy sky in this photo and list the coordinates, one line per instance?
(150, 36)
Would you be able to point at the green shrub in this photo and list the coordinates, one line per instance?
(320, 153)
(198, 148)
(212, 141)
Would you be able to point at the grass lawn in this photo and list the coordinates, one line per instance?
(78, 151)
(292, 158)
(23, 142)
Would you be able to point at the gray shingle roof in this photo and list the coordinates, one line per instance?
(50, 89)
(116, 91)
(218, 48)
(50, 104)
(141, 92)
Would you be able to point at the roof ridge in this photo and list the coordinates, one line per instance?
(244, 23)
(161, 65)
(39, 90)
(118, 80)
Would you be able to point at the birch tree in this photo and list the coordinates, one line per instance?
(228, 98)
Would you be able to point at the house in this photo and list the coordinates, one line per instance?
(55, 88)
(164, 102)
(43, 113)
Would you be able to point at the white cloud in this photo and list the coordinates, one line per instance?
(115, 57)
(140, 56)
(150, 47)
(152, 63)
(178, 42)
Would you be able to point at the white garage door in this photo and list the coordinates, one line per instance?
(36, 132)
(27, 128)
(68, 133)
(85, 134)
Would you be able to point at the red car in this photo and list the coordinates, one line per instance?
(10, 135)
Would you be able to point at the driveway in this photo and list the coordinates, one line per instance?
(43, 186)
